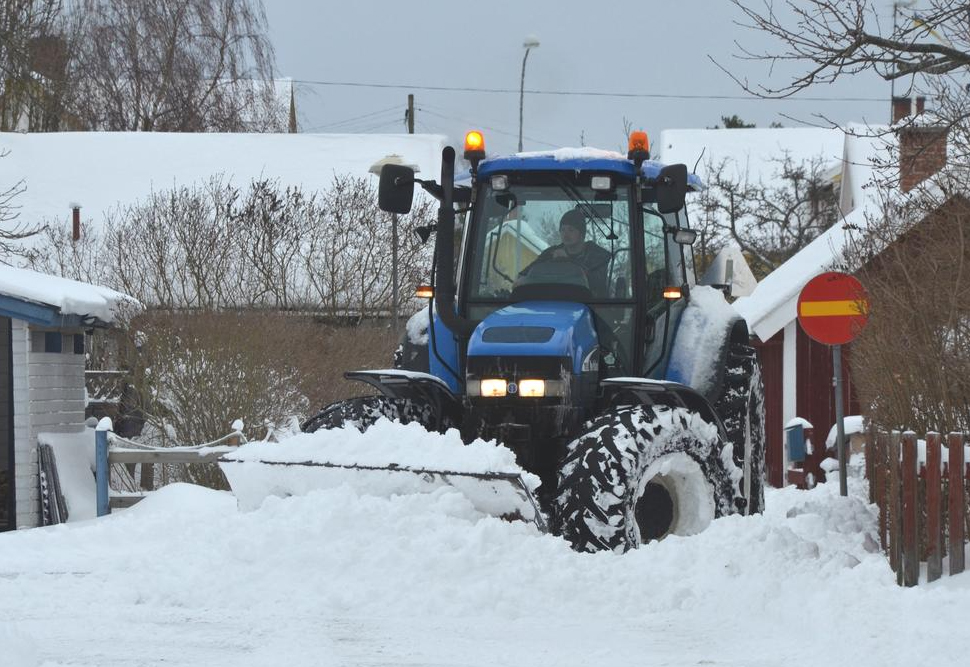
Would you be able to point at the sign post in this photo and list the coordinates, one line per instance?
(832, 309)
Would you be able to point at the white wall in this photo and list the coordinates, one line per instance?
(48, 397)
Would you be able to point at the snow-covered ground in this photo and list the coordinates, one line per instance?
(337, 577)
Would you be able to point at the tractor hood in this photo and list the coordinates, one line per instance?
(536, 329)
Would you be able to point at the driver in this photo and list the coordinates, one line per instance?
(594, 259)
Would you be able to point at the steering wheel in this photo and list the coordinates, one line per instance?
(543, 270)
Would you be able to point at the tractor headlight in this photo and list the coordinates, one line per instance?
(493, 388)
(532, 388)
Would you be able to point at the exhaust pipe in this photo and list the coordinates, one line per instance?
(444, 289)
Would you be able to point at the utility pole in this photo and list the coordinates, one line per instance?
(409, 116)
(531, 42)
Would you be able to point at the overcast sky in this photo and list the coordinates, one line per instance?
(644, 47)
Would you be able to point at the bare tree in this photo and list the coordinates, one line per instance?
(911, 364)
(60, 254)
(31, 58)
(769, 221)
(12, 229)
(185, 66)
(837, 38)
(216, 246)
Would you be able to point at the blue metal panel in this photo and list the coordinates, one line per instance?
(38, 313)
(444, 364)
(574, 333)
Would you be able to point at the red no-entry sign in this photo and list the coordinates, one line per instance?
(833, 308)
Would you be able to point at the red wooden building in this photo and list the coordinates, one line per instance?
(798, 373)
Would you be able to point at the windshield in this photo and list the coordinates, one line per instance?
(534, 237)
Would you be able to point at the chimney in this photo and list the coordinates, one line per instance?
(76, 223)
(903, 106)
(922, 142)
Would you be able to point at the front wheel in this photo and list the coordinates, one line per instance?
(642, 473)
(363, 412)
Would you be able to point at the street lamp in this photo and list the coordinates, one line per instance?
(376, 169)
(531, 42)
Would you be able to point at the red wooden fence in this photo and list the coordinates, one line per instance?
(922, 506)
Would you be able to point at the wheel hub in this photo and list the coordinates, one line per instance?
(654, 512)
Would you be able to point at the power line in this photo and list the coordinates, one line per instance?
(582, 93)
(514, 135)
(353, 119)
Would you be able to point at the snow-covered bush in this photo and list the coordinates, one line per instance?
(195, 372)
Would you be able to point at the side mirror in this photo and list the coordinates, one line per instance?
(396, 190)
(685, 236)
(671, 188)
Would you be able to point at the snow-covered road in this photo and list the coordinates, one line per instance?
(336, 578)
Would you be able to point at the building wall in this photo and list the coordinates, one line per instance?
(25, 452)
(814, 396)
(48, 397)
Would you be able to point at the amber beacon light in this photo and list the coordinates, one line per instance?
(639, 147)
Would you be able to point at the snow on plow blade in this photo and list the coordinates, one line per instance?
(498, 494)
(385, 460)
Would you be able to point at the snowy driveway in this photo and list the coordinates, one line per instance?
(333, 578)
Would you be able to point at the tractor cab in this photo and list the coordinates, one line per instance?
(579, 229)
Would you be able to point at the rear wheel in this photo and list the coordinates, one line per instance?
(642, 473)
(363, 412)
(741, 408)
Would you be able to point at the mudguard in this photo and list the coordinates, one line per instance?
(619, 390)
(707, 328)
(397, 383)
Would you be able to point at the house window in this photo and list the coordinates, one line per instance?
(78, 343)
(53, 341)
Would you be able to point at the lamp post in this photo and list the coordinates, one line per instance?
(376, 169)
(531, 42)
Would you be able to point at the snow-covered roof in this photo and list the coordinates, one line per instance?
(66, 297)
(753, 152)
(773, 304)
(99, 170)
(866, 147)
(742, 281)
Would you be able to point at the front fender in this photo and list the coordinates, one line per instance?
(707, 328)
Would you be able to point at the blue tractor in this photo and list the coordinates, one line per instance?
(565, 323)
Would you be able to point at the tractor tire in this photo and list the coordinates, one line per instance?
(363, 412)
(639, 474)
(741, 407)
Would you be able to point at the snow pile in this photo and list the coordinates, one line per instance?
(333, 578)
(852, 424)
(338, 578)
(417, 327)
(388, 459)
(17, 650)
(70, 296)
(703, 328)
(407, 445)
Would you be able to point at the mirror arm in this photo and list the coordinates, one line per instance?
(431, 187)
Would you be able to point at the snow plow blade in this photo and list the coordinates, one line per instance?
(500, 494)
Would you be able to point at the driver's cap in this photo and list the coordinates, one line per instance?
(574, 218)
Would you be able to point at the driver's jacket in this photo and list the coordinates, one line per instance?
(594, 260)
